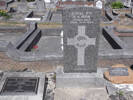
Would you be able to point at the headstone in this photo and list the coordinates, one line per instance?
(3, 5)
(40, 5)
(23, 86)
(81, 32)
(120, 71)
(99, 4)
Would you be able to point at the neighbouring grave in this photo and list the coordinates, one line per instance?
(80, 39)
(3, 5)
(40, 5)
(22, 86)
(119, 74)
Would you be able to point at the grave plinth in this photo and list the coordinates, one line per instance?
(80, 40)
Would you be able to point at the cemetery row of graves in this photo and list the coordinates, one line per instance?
(66, 50)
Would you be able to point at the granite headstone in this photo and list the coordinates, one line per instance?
(81, 32)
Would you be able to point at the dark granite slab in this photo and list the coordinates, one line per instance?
(81, 38)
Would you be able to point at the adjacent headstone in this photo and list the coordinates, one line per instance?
(40, 5)
(23, 86)
(99, 4)
(81, 32)
(3, 5)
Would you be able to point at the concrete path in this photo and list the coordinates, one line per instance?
(81, 94)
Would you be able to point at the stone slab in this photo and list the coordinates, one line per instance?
(80, 79)
(81, 94)
(24, 96)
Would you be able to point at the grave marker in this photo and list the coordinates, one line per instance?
(81, 32)
(3, 5)
(118, 71)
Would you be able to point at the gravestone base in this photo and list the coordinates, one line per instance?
(84, 80)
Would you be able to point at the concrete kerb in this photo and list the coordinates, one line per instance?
(33, 27)
(109, 35)
(18, 55)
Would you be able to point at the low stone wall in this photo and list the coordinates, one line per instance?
(3, 46)
(32, 40)
(49, 16)
(109, 15)
(14, 29)
(114, 40)
(129, 15)
(17, 55)
(116, 54)
(9, 1)
(124, 30)
(29, 15)
(32, 28)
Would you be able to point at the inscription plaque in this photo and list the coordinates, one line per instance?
(20, 85)
(118, 71)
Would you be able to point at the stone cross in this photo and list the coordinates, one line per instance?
(81, 41)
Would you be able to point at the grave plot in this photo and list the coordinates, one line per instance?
(32, 16)
(9, 34)
(50, 45)
(23, 86)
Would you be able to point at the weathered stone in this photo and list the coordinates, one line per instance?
(81, 94)
(119, 78)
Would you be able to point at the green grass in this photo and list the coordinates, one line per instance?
(117, 5)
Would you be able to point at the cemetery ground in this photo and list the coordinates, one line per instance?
(48, 52)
